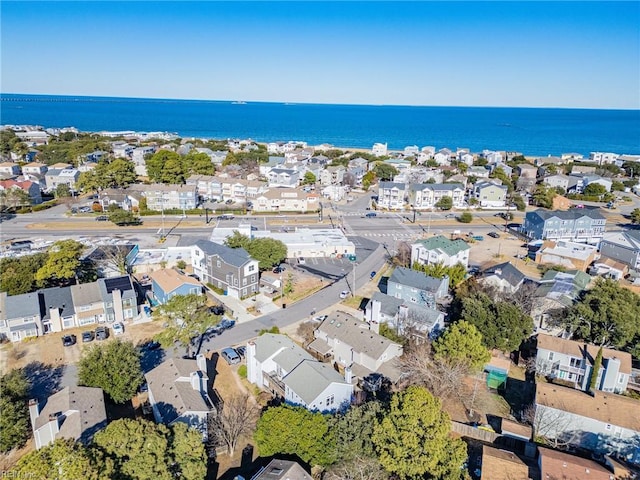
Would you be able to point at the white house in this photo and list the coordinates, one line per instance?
(391, 195)
(603, 157)
(490, 194)
(379, 149)
(504, 277)
(276, 364)
(440, 250)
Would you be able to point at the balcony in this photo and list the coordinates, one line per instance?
(273, 383)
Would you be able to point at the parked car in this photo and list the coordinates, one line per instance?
(226, 324)
(229, 202)
(231, 356)
(301, 260)
(118, 328)
(493, 235)
(344, 294)
(102, 333)
(225, 217)
(102, 218)
(371, 214)
(216, 310)
(320, 318)
(242, 351)
(88, 336)
(279, 269)
(68, 340)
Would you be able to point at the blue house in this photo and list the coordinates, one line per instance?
(167, 283)
(417, 287)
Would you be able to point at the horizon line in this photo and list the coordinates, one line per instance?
(294, 103)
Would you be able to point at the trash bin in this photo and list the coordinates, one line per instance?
(284, 305)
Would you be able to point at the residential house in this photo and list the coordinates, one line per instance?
(608, 268)
(122, 149)
(582, 225)
(33, 137)
(391, 195)
(335, 192)
(427, 195)
(478, 171)
(216, 157)
(557, 291)
(568, 183)
(555, 464)
(57, 309)
(499, 464)
(356, 348)
(508, 171)
(32, 189)
(56, 177)
(549, 160)
(406, 318)
(74, 413)
(411, 151)
(231, 270)
(417, 287)
(573, 362)
(178, 392)
(492, 156)
(112, 260)
(596, 180)
(168, 282)
(603, 158)
(286, 200)
(490, 194)
(139, 156)
(379, 149)
(504, 277)
(443, 156)
(35, 168)
(283, 177)
(162, 197)
(312, 242)
(527, 170)
(580, 170)
(440, 250)
(278, 469)
(568, 254)
(9, 169)
(20, 316)
(120, 298)
(272, 162)
(123, 198)
(277, 364)
(399, 164)
(601, 422)
(465, 157)
(332, 175)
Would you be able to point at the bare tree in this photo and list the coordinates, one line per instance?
(403, 255)
(234, 420)
(305, 332)
(360, 468)
(112, 257)
(558, 427)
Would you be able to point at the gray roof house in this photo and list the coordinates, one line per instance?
(355, 345)
(623, 246)
(582, 225)
(282, 470)
(277, 364)
(504, 277)
(20, 316)
(426, 195)
(391, 195)
(119, 298)
(440, 250)
(229, 269)
(178, 392)
(407, 318)
(59, 309)
(417, 287)
(75, 412)
(283, 177)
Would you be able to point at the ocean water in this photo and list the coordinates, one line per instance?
(532, 131)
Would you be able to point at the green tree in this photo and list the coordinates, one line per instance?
(503, 325)
(617, 186)
(199, 163)
(237, 240)
(186, 316)
(594, 189)
(597, 363)
(445, 203)
(309, 179)
(462, 343)
(114, 367)
(635, 215)
(521, 206)
(368, 179)
(62, 191)
(156, 163)
(19, 273)
(295, 430)
(465, 217)
(353, 430)
(173, 171)
(268, 251)
(384, 171)
(61, 460)
(607, 315)
(14, 414)
(122, 217)
(121, 173)
(543, 196)
(63, 262)
(456, 273)
(413, 439)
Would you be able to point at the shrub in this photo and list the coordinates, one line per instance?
(242, 371)
(466, 217)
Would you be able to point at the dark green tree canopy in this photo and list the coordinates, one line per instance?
(63, 262)
(186, 317)
(353, 431)
(19, 273)
(268, 251)
(15, 428)
(384, 171)
(462, 343)
(61, 460)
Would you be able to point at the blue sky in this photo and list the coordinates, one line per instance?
(536, 54)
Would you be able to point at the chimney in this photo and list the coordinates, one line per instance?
(195, 380)
(34, 411)
(348, 375)
(201, 361)
(252, 376)
(54, 424)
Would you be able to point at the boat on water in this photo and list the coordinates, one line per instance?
(240, 102)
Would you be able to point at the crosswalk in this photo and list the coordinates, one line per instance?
(403, 235)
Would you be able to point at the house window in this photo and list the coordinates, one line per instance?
(550, 356)
(621, 379)
(330, 400)
(218, 264)
(252, 268)
(244, 281)
(575, 362)
(235, 282)
(253, 278)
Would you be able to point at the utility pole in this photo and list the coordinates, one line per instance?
(353, 290)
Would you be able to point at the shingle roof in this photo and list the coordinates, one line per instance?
(415, 279)
(572, 214)
(282, 469)
(291, 357)
(502, 465)
(86, 293)
(311, 378)
(507, 272)
(583, 350)
(169, 279)
(356, 334)
(57, 297)
(605, 407)
(269, 343)
(233, 256)
(562, 465)
(442, 243)
(24, 305)
(385, 185)
(389, 306)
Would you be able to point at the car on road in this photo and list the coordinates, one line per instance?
(493, 235)
(225, 216)
(102, 333)
(301, 260)
(226, 323)
(229, 202)
(68, 340)
(344, 294)
(371, 214)
(230, 355)
(450, 215)
(88, 336)
(279, 269)
(118, 328)
(102, 218)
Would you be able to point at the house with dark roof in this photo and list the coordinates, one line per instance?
(623, 246)
(229, 269)
(602, 423)
(20, 316)
(406, 318)
(426, 195)
(75, 413)
(582, 225)
(275, 363)
(119, 297)
(572, 362)
(178, 392)
(417, 287)
(354, 344)
(168, 282)
(283, 177)
(440, 250)
(391, 195)
(282, 470)
(504, 277)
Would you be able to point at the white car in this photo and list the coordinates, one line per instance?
(118, 328)
(344, 294)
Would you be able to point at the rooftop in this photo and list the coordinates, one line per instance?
(445, 245)
(413, 278)
(554, 464)
(310, 378)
